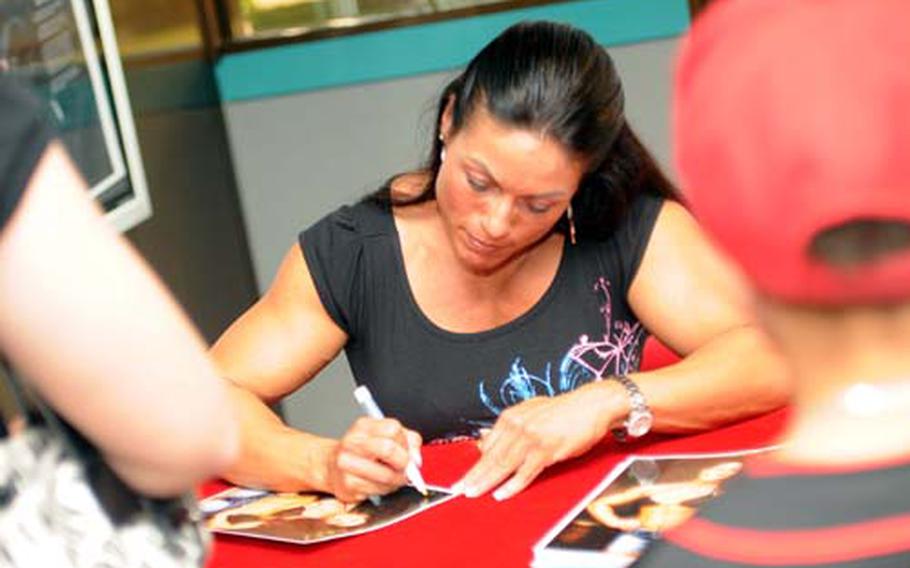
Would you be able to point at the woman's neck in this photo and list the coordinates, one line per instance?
(457, 299)
(422, 231)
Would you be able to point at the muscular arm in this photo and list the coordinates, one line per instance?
(694, 302)
(99, 336)
(273, 349)
(270, 351)
(281, 342)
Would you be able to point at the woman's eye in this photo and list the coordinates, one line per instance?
(538, 208)
(478, 185)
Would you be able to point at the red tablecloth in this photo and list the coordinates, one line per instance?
(480, 532)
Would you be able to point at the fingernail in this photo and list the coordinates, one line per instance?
(463, 488)
(457, 488)
(417, 458)
(501, 494)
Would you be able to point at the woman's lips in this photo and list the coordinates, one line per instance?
(479, 245)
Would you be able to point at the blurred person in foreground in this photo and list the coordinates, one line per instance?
(98, 337)
(792, 131)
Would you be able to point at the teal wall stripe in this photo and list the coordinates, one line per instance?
(425, 48)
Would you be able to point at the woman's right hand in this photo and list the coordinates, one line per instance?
(370, 459)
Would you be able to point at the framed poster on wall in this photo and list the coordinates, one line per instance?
(67, 51)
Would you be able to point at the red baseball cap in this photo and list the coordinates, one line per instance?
(792, 117)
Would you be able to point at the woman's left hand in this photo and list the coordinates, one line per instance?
(539, 432)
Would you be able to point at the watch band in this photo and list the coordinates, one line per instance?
(639, 420)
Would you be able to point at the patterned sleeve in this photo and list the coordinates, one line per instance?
(333, 249)
(25, 132)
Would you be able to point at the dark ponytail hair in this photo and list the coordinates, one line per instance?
(554, 79)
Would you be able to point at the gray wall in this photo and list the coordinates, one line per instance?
(298, 157)
(195, 239)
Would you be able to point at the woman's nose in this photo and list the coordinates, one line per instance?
(498, 218)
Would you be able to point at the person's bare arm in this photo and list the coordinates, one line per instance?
(270, 351)
(91, 326)
(692, 300)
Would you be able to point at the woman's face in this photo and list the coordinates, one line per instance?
(501, 189)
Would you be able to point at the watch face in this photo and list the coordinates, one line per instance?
(639, 423)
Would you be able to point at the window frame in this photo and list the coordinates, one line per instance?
(220, 21)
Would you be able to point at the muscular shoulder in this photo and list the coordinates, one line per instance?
(349, 223)
(342, 251)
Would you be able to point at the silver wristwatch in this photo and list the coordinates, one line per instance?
(639, 421)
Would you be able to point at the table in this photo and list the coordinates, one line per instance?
(481, 532)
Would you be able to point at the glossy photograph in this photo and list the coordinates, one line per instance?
(306, 518)
(640, 499)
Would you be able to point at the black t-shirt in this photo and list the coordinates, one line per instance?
(446, 384)
(24, 134)
(774, 515)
